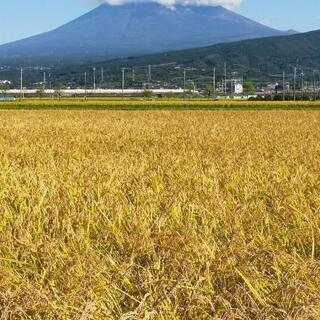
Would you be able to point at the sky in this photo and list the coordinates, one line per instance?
(23, 18)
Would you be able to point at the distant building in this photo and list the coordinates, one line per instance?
(238, 88)
(5, 82)
(7, 99)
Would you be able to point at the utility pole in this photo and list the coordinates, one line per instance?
(317, 81)
(133, 75)
(294, 83)
(123, 81)
(214, 81)
(225, 78)
(184, 83)
(21, 84)
(149, 73)
(102, 75)
(94, 79)
(283, 86)
(85, 86)
(50, 85)
(233, 83)
(44, 80)
(302, 83)
(314, 84)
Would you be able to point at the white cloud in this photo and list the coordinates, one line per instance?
(231, 4)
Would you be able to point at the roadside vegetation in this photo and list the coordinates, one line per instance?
(159, 214)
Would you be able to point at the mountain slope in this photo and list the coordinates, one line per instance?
(256, 57)
(138, 28)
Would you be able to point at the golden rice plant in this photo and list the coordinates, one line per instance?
(159, 215)
(141, 103)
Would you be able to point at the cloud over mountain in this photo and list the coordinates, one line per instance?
(231, 4)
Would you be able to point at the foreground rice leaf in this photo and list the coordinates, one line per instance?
(252, 289)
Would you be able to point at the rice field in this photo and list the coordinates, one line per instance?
(159, 214)
(118, 103)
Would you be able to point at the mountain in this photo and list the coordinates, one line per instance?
(138, 28)
(260, 58)
(255, 60)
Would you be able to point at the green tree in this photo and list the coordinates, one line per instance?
(170, 95)
(40, 91)
(58, 87)
(189, 87)
(4, 87)
(209, 91)
(248, 87)
(147, 93)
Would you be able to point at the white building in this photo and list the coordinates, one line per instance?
(5, 82)
(238, 88)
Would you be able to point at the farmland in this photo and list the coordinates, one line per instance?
(131, 103)
(159, 214)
